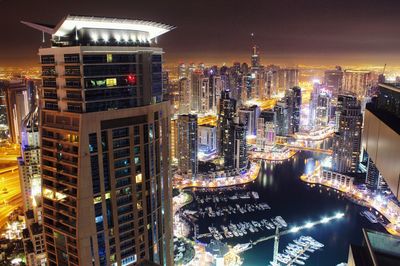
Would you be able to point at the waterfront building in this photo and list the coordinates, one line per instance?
(338, 179)
(248, 116)
(107, 197)
(282, 118)
(334, 80)
(293, 99)
(187, 144)
(373, 178)
(381, 134)
(322, 112)
(357, 82)
(266, 129)
(240, 147)
(31, 188)
(207, 139)
(227, 111)
(347, 141)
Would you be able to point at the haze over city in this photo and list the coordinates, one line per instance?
(200, 133)
(305, 32)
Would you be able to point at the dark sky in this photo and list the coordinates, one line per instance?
(287, 31)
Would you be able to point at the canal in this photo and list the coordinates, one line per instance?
(279, 186)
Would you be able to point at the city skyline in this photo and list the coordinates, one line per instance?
(287, 32)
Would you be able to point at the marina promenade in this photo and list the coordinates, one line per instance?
(387, 208)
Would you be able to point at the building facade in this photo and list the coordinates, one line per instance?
(104, 135)
(187, 144)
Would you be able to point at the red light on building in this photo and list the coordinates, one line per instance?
(131, 79)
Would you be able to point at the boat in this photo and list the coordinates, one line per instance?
(370, 216)
(299, 262)
(242, 247)
(255, 195)
(280, 220)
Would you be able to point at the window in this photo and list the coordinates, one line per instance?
(71, 58)
(109, 58)
(92, 142)
(110, 82)
(138, 178)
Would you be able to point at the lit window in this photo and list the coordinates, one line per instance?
(109, 58)
(139, 205)
(108, 195)
(139, 178)
(47, 193)
(97, 200)
(111, 82)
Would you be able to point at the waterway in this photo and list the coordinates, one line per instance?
(279, 185)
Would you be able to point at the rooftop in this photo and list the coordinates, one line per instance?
(84, 29)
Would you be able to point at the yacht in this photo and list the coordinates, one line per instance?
(255, 195)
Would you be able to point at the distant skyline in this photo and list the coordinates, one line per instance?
(290, 32)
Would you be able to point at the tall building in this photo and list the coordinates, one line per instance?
(334, 80)
(255, 57)
(3, 110)
(187, 144)
(293, 99)
(182, 71)
(347, 141)
(227, 110)
(185, 95)
(381, 137)
(248, 117)
(200, 93)
(322, 112)
(357, 82)
(287, 79)
(240, 147)
(282, 118)
(31, 188)
(266, 129)
(104, 135)
(17, 105)
(207, 139)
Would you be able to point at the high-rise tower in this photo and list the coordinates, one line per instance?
(104, 135)
(347, 141)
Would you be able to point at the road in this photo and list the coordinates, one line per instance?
(10, 189)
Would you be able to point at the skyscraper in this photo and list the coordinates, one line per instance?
(347, 141)
(227, 112)
(104, 136)
(17, 105)
(240, 147)
(357, 82)
(334, 80)
(31, 188)
(293, 99)
(187, 144)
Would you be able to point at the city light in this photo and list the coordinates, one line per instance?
(309, 225)
(295, 229)
(325, 220)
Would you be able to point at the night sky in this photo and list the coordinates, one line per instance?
(287, 31)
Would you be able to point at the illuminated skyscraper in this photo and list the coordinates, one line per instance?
(334, 80)
(357, 82)
(17, 105)
(31, 189)
(104, 135)
(240, 147)
(347, 141)
(226, 128)
(293, 99)
(187, 144)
